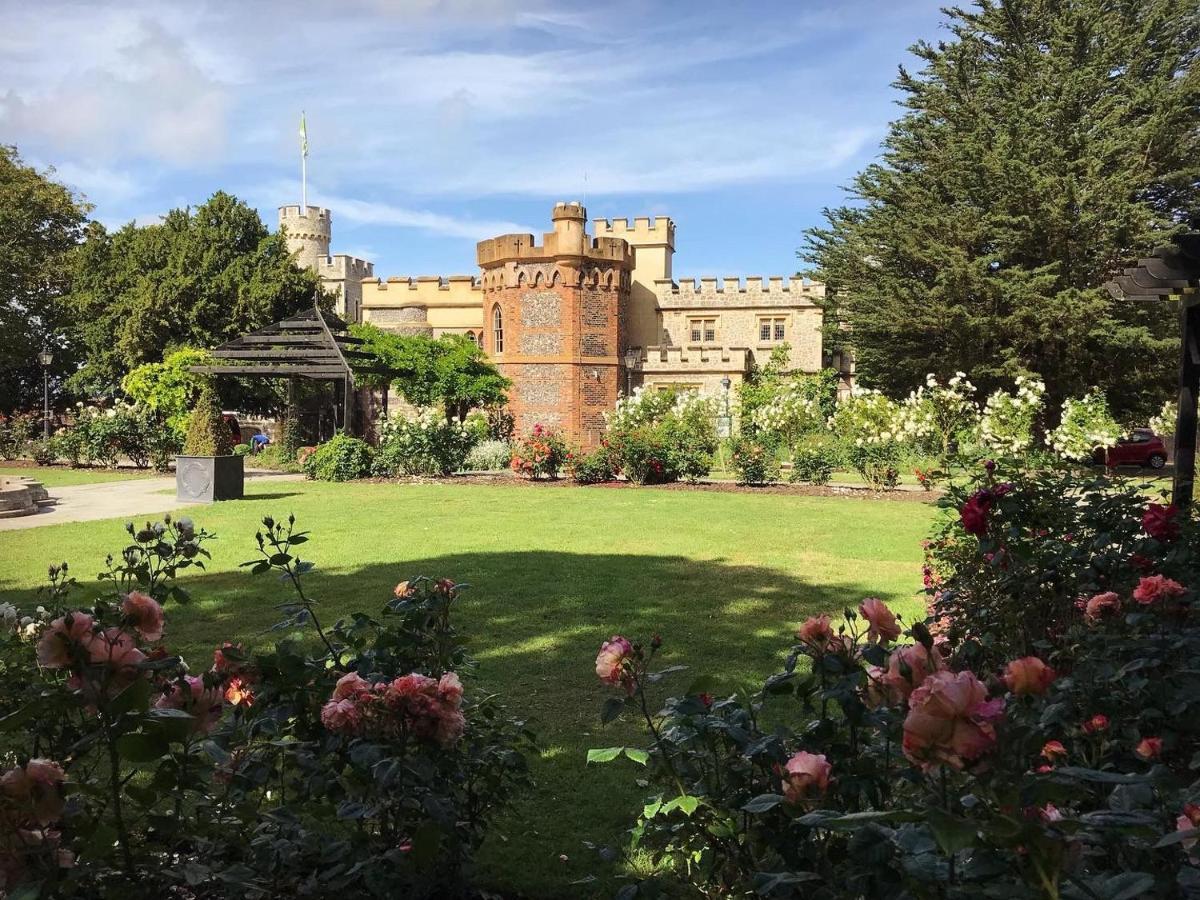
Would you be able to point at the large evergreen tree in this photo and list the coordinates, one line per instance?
(40, 221)
(1042, 145)
(198, 278)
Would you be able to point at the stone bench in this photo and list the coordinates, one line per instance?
(21, 495)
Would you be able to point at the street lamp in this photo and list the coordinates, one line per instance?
(725, 425)
(632, 356)
(45, 358)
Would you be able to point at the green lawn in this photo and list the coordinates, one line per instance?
(724, 577)
(63, 476)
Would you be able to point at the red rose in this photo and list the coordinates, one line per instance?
(974, 513)
(1161, 522)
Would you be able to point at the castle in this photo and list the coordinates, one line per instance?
(580, 318)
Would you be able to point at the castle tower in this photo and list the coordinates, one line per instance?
(554, 322)
(308, 233)
(653, 243)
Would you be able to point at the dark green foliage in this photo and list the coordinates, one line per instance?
(1042, 145)
(200, 277)
(753, 461)
(342, 458)
(451, 370)
(207, 434)
(40, 221)
(596, 467)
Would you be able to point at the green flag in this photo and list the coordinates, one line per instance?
(303, 137)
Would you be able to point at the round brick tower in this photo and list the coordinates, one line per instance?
(308, 233)
(554, 322)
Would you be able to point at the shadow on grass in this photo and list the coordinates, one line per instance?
(534, 620)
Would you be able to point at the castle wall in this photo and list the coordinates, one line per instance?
(653, 243)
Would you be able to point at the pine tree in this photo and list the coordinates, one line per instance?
(207, 434)
(1045, 144)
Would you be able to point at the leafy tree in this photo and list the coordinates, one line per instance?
(40, 221)
(198, 278)
(1045, 144)
(168, 388)
(451, 370)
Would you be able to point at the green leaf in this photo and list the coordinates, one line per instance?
(136, 697)
(952, 833)
(18, 717)
(641, 757)
(608, 754)
(139, 747)
(767, 882)
(612, 708)
(762, 803)
(1176, 837)
(687, 804)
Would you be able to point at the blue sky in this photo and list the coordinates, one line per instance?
(435, 123)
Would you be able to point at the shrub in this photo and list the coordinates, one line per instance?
(1008, 418)
(939, 416)
(489, 456)
(540, 455)
(811, 465)
(207, 434)
(43, 452)
(595, 467)
(662, 436)
(1086, 425)
(882, 762)
(291, 439)
(16, 431)
(425, 445)
(878, 464)
(342, 458)
(168, 389)
(1164, 422)
(241, 449)
(366, 767)
(753, 461)
(500, 424)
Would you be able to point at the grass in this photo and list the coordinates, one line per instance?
(554, 572)
(64, 476)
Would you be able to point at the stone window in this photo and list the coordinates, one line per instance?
(702, 331)
(772, 329)
(472, 338)
(497, 329)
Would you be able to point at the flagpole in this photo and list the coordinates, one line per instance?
(303, 164)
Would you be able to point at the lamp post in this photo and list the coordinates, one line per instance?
(45, 358)
(632, 356)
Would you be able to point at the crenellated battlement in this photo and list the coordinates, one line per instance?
(341, 265)
(645, 230)
(775, 290)
(511, 247)
(425, 290)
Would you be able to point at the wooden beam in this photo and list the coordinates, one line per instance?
(277, 371)
(306, 354)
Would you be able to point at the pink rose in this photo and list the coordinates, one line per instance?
(610, 663)
(949, 721)
(144, 614)
(816, 631)
(350, 685)
(1189, 820)
(1149, 748)
(883, 625)
(1028, 675)
(908, 667)
(450, 727)
(1096, 724)
(202, 703)
(340, 716)
(806, 776)
(54, 648)
(450, 689)
(115, 648)
(1101, 605)
(1054, 751)
(1157, 587)
(411, 685)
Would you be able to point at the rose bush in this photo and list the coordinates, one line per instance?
(359, 759)
(949, 758)
(540, 455)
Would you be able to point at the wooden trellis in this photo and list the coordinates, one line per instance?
(310, 344)
(1173, 271)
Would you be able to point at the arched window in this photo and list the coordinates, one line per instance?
(472, 338)
(497, 329)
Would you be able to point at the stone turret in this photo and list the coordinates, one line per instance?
(308, 233)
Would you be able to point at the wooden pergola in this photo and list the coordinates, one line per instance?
(1173, 271)
(310, 344)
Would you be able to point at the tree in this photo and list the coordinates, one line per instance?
(207, 432)
(168, 388)
(40, 221)
(1046, 144)
(198, 278)
(451, 370)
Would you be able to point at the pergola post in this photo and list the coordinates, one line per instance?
(1189, 388)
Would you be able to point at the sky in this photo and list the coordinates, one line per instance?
(436, 123)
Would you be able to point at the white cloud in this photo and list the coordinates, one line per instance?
(368, 213)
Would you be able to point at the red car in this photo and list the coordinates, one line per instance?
(1142, 447)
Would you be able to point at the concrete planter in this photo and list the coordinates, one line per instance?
(208, 478)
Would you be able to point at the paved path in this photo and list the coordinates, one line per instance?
(113, 499)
